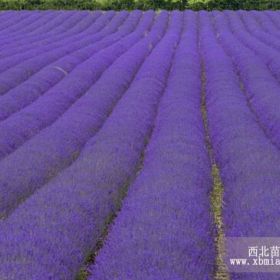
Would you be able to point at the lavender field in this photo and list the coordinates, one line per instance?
(133, 143)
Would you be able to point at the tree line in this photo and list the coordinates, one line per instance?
(141, 4)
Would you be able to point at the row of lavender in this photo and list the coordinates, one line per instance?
(158, 234)
(94, 103)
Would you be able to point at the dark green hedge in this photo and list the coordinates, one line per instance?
(140, 4)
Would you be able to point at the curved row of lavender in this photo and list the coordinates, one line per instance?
(17, 68)
(248, 160)
(101, 117)
(56, 71)
(258, 65)
(29, 90)
(61, 22)
(48, 40)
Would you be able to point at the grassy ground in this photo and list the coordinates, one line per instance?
(217, 207)
(217, 189)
